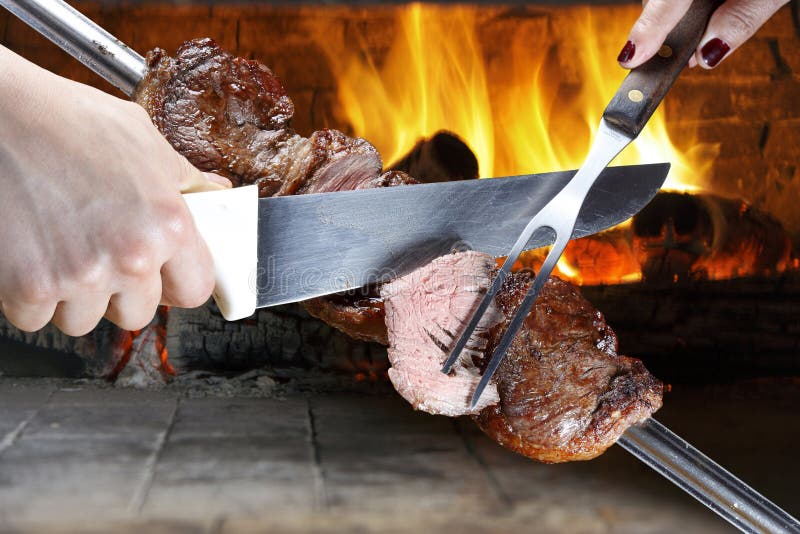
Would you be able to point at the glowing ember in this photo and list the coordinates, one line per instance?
(146, 347)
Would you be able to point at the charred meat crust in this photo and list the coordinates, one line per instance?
(564, 392)
(358, 314)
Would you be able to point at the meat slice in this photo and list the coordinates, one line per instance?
(342, 163)
(424, 310)
(562, 393)
(231, 115)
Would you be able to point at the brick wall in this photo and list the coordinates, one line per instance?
(750, 105)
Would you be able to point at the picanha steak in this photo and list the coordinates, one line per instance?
(562, 393)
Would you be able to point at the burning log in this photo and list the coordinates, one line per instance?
(178, 341)
(604, 258)
(707, 331)
(442, 158)
(679, 236)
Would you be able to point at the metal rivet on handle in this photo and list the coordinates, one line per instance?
(665, 51)
(635, 95)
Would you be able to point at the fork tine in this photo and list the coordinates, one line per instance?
(562, 238)
(497, 283)
(476, 318)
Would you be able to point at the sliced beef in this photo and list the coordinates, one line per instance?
(231, 116)
(342, 163)
(423, 311)
(562, 393)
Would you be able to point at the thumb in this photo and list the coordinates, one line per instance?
(193, 180)
(733, 23)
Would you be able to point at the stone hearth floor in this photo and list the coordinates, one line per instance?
(84, 457)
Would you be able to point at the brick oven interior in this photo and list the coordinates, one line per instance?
(281, 422)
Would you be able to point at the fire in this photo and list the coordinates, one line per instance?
(146, 347)
(526, 112)
(520, 106)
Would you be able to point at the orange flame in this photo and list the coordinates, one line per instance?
(533, 110)
(530, 102)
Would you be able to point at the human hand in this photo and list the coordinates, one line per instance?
(93, 220)
(733, 23)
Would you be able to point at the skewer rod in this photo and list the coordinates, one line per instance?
(82, 39)
(705, 480)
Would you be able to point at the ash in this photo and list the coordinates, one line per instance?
(271, 383)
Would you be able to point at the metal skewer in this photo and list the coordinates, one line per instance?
(650, 442)
(705, 480)
(82, 39)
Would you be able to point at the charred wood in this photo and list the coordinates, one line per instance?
(681, 236)
(442, 158)
(707, 331)
(277, 337)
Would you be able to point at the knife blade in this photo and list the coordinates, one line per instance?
(278, 250)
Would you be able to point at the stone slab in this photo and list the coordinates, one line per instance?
(351, 462)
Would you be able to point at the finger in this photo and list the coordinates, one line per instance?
(192, 180)
(134, 308)
(188, 277)
(26, 316)
(733, 23)
(658, 18)
(79, 316)
(210, 182)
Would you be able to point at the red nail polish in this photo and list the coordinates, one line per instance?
(627, 52)
(713, 51)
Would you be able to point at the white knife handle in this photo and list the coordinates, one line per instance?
(228, 221)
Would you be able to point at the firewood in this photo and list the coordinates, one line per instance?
(442, 158)
(681, 236)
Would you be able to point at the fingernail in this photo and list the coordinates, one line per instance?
(627, 52)
(713, 51)
(219, 180)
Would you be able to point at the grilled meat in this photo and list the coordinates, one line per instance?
(562, 393)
